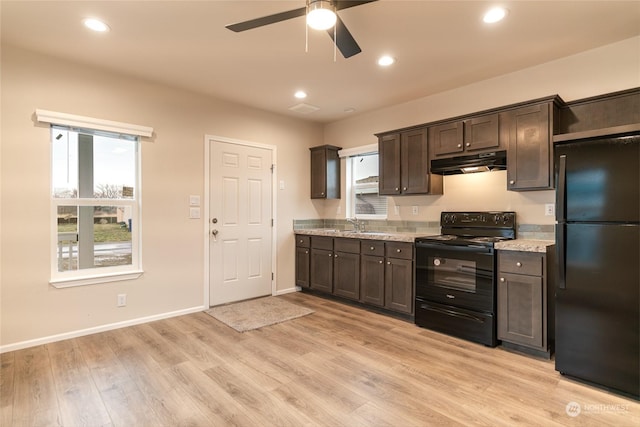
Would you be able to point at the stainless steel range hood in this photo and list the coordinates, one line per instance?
(483, 162)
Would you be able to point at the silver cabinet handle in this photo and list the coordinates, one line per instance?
(397, 188)
(398, 250)
(459, 145)
(372, 248)
(512, 182)
(388, 262)
(404, 189)
(379, 262)
(502, 279)
(468, 144)
(519, 264)
(330, 255)
(306, 252)
(335, 256)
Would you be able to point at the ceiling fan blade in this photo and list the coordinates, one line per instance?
(266, 20)
(345, 4)
(344, 40)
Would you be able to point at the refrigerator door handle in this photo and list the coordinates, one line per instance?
(561, 193)
(561, 255)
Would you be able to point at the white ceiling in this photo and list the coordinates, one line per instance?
(439, 45)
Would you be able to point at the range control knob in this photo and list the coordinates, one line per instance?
(498, 218)
(453, 218)
(507, 218)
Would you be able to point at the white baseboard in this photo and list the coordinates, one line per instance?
(287, 291)
(74, 334)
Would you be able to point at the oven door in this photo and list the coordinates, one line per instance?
(457, 275)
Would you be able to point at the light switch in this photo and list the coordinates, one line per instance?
(194, 213)
(281, 184)
(414, 210)
(194, 201)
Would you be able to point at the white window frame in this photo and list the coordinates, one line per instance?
(90, 276)
(351, 154)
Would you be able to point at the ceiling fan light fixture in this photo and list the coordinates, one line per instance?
(321, 15)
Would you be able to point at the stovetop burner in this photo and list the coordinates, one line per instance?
(484, 228)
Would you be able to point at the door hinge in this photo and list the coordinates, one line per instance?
(272, 222)
(272, 167)
(271, 275)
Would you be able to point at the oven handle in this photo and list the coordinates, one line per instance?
(451, 313)
(465, 248)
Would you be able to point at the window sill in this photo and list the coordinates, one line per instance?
(95, 279)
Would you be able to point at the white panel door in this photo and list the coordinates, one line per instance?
(240, 229)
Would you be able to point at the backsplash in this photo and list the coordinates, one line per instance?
(525, 231)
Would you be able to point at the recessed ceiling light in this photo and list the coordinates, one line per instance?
(300, 94)
(494, 15)
(386, 60)
(96, 25)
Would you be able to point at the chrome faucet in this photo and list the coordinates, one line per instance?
(358, 225)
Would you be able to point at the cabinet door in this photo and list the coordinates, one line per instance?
(389, 164)
(447, 139)
(415, 162)
(318, 173)
(302, 267)
(372, 280)
(529, 156)
(482, 133)
(398, 285)
(346, 275)
(520, 311)
(321, 276)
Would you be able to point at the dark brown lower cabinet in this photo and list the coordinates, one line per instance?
(375, 273)
(398, 285)
(372, 280)
(525, 302)
(346, 275)
(321, 275)
(302, 266)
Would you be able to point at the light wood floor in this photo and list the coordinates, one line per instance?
(340, 366)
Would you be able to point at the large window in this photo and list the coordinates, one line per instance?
(95, 205)
(362, 188)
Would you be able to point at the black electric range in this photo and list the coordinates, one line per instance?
(456, 274)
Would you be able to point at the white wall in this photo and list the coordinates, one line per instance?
(172, 169)
(607, 69)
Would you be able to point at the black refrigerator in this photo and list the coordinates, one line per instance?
(598, 257)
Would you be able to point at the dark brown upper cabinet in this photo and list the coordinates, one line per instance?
(530, 154)
(404, 164)
(325, 172)
(457, 138)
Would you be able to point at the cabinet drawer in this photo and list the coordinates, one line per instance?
(347, 245)
(372, 247)
(322, 242)
(399, 250)
(303, 241)
(520, 263)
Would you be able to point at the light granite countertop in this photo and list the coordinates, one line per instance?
(525, 245)
(369, 235)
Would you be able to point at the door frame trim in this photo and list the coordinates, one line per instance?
(208, 139)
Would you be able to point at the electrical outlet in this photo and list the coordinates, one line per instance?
(396, 209)
(122, 300)
(414, 210)
(549, 209)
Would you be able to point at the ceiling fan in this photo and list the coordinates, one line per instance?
(315, 8)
